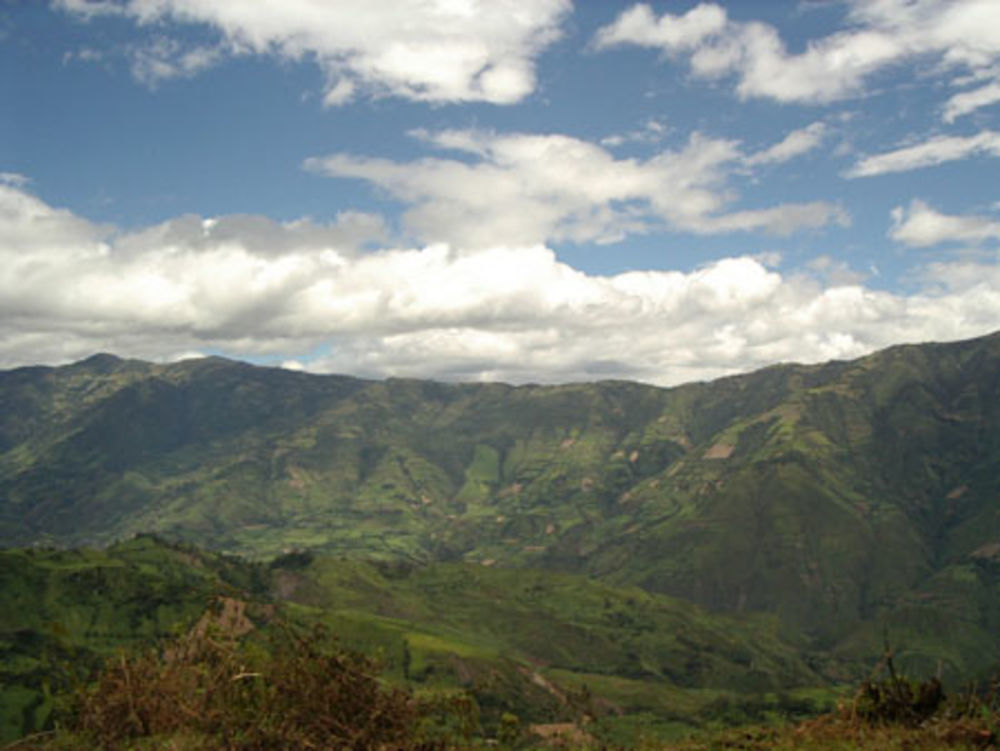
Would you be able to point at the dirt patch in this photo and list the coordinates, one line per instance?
(286, 584)
(227, 617)
(463, 671)
(988, 552)
(543, 683)
(719, 451)
(296, 478)
(563, 735)
(510, 490)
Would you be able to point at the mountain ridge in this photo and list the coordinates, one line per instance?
(844, 497)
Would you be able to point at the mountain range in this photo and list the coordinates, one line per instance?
(849, 505)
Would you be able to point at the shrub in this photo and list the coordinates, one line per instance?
(297, 691)
(225, 686)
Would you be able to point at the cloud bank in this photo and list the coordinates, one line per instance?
(251, 287)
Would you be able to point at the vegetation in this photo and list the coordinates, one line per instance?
(224, 687)
(544, 648)
(892, 713)
(62, 612)
(660, 561)
(472, 652)
(840, 497)
(215, 688)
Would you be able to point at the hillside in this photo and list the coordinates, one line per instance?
(543, 646)
(847, 499)
(63, 612)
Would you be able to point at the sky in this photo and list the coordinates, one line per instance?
(515, 190)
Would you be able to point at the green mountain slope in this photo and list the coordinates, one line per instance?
(521, 642)
(846, 498)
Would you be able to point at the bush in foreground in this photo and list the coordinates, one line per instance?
(226, 688)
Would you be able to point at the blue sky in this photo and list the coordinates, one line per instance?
(532, 190)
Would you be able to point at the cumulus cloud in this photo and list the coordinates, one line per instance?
(920, 225)
(639, 25)
(934, 151)
(531, 188)
(437, 51)
(879, 33)
(247, 286)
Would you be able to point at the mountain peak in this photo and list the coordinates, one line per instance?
(102, 362)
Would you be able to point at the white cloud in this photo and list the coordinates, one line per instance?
(934, 151)
(13, 178)
(428, 50)
(527, 188)
(969, 101)
(259, 235)
(652, 130)
(251, 287)
(795, 144)
(920, 225)
(780, 220)
(835, 272)
(879, 33)
(164, 58)
(639, 25)
(90, 8)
